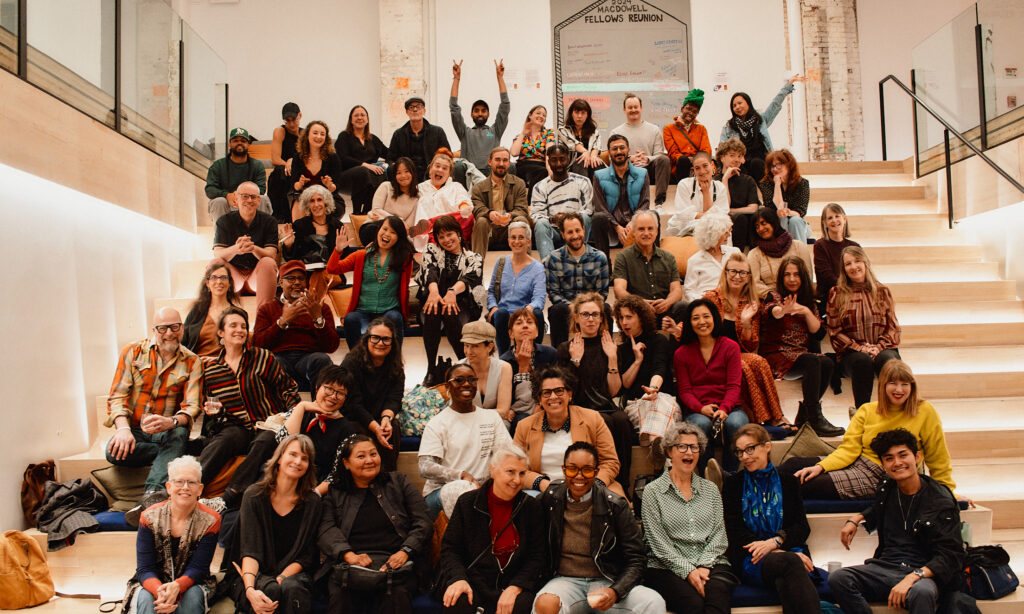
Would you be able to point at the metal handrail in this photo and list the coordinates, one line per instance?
(948, 130)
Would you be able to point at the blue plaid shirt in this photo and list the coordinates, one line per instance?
(567, 276)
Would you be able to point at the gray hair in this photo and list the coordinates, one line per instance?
(648, 213)
(709, 229)
(505, 450)
(677, 430)
(524, 226)
(308, 193)
(183, 464)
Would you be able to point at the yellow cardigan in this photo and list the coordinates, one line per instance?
(866, 424)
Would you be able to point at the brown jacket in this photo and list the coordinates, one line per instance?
(515, 199)
(584, 425)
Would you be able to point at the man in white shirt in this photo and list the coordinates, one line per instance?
(647, 145)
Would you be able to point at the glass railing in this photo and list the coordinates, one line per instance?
(133, 65)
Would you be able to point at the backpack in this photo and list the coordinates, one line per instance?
(24, 575)
(988, 572)
(36, 477)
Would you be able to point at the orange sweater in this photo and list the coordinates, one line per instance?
(677, 145)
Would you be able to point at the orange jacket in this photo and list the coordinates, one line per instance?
(584, 425)
(677, 145)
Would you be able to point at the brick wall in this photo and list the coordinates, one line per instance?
(402, 60)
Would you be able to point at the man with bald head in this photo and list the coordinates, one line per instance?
(153, 400)
(245, 241)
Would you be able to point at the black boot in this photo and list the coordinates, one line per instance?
(821, 426)
(801, 415)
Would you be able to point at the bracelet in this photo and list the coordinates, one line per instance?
(536, 482)
(612, 371)
(121, 428)
(856, 524)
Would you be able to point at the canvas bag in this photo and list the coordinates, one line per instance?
(24, 575)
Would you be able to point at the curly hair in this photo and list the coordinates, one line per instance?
(308, 193)
(303, 144)
(709, 229)
(641, 308)
(393, 365)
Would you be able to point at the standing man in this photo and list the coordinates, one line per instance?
(417, 139)
(245, 241)
(649, 272)
(920, 553)
(575, 268)
(620, 190)
(231, 171)
(646, 144)
(480, 139)
(152, 402)
(497, 202)
(557, 195)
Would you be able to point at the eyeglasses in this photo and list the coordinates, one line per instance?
(219, 277)
(462, 380)
(293, 278)
(180, 483)
(334, 392)
(249, 196)
(572, 471)
(589, 315)
(553, 392)
(163, 328)
(415, 106)
(747, 451)
(380, 340)
(686, 447)
(737, 273)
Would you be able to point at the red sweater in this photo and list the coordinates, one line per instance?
(718, 381)
(354, 263)
(300, 334)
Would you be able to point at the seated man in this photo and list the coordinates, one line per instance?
(298, 327)
(497, 202)
(227, 174)
(744, 195)
(556, 195)
(920, 553)
(245, 241)
(458, 441)
(498, 518)
(575, 268)
(647, 147)
(417, 139)
(592, 536)
(648, 271)
(479, 139)
(152, 402)
(620, 190)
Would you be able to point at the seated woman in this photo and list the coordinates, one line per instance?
(313, 237)
(440, 195)
(359, 151)
(175, 545)
(696, 196)
(766, 524)
(378, 383)
(789, 324)
(316, 164)
(644, 361)
(373, 519)
(592, 357)
(216, 293)
(517, 281)
(279, 520)
(741, 321)
(494, 375)
(242, 385)
(546, 435)
(751, 128)
(451, 289)
(784, 188)
(580, 135)
(828, 251)
(704, 269)
(382, 272)
(525, 355)
(398, 196)
(531, 146)
(771, 246)
(683, 528)
(708, 374)
(862, 325)
(853, 471)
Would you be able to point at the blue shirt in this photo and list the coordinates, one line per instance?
(526, 288)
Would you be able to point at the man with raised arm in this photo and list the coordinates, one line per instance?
(479, 139)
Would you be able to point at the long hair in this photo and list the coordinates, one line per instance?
(589, 125)
(366, 131)
(746, 292)
(202, 304)
(834, 208)
(587, 297)
(306, 483)
(409, 165)
(751, 112)
(805, 295)
(844, 287)
(642, 309)
(403, 250)
(303, 145)
(783, 156)
(690, 335)
(898, 371)
(342, 476)
(534, 108)
(393, 365)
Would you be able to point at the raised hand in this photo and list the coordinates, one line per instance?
(457, 69)
(341, 240)
(499, 68)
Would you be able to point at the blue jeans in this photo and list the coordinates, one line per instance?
(733, 422)
(572, 596)
(434, 503)
(192, 602)
(546, 235)
(156, 450)
(356, 322)
(500, 323)
(797, 227)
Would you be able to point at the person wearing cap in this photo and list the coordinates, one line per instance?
(298, 327)
(685, 136)
(479, 140)
(231, 171)
(497, 202)
(494, 389)
(457, 443)
(245, 241)
(417, 139)
(283, 147)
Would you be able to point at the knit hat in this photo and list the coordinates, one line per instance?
(694, 96)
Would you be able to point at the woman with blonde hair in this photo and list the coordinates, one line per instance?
(853, 471)
(862, 323)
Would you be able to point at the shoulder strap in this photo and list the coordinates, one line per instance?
(687, 137)
(497, 279)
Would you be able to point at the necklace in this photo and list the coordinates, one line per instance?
(899, 499)
(387, 270)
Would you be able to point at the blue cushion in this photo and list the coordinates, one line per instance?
(746, 596)
(410, 444)
(112, 521)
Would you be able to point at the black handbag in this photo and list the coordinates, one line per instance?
(988, 573)
(359, 578)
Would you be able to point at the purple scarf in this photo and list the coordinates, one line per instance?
(777, 247)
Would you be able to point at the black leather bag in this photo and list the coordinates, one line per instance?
(359, 578)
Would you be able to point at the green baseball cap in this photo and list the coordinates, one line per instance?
(239, 132)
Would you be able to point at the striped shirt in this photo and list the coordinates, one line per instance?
(259, 389)
(568, 276)
(574, 194)
(144, 384)
(862, 322)
(682, 535)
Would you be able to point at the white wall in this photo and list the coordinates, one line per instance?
(72, 33)
(321, 54)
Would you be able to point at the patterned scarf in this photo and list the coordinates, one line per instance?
(777, 247)
(748, 128)
(762, 501)
(159, 520)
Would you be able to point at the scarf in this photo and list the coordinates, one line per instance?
(160, 522)
(762, 501)
(748, 128)
(777, 247)
(321, 420)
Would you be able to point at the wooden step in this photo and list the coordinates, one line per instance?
(996, 371)
(861, 193)
(912, 254)
(852, 167)
(952, 291)
(866, 224)
(857, 180)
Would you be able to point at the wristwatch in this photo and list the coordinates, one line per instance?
(319, 322)
(918, 572)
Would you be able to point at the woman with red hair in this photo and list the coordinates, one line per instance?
(784, 188)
